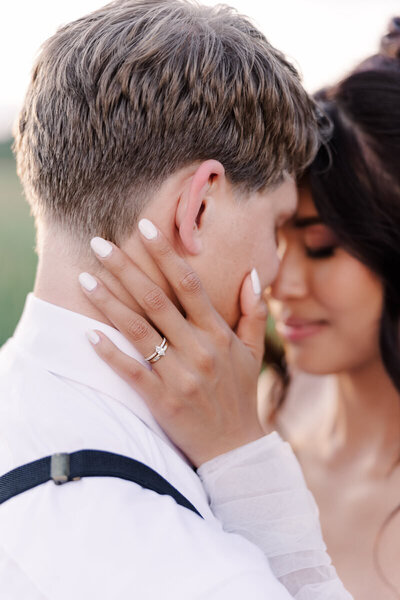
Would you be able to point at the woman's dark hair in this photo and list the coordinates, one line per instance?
(355, 185)
(355, 182)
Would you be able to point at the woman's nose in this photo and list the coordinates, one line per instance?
(291, 280)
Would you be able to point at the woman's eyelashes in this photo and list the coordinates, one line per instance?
(322, 252)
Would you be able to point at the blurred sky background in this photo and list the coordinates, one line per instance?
(325, 38)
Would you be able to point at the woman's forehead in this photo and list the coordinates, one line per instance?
(305, 205)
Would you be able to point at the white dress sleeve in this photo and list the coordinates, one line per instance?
(259, 492)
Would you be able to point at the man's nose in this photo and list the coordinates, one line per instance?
(291, 279)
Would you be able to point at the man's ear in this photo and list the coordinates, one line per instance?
(192, 203)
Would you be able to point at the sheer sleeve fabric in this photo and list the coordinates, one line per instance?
(259, 492)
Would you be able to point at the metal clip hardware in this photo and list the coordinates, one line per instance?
(59, 468)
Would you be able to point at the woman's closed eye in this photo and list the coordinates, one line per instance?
(320, 241)
(322, 252)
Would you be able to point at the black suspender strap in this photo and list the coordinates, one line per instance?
(64, 467)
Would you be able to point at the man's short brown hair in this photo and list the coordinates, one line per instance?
(125, 96)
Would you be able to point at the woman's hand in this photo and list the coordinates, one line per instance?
(203, 391)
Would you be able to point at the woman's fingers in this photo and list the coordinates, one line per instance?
(145, 382)
(152, 299)
(133, 326)
(251, 326)
(183, 280)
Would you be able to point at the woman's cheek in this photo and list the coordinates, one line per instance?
(352, 297)
(342, 283)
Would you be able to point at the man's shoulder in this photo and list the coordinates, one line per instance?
(42, 413)
(113, 541)
(108, 537)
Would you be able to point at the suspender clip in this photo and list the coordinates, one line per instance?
(59, 468)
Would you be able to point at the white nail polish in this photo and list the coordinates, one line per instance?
(147, 229)
(93, 337)
(101, 247)
(87, 281)
(255, 280)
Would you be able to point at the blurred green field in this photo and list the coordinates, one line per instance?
(17, 241)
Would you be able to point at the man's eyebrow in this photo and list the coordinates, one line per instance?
(303, 222)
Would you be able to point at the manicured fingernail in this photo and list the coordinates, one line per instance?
(101, 247)
(147, 229)
(87, 281)
(93, 337)
(255, 280)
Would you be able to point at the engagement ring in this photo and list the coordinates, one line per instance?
(159, 352)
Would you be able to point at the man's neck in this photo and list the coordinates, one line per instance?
(63, 290)
(60, 265)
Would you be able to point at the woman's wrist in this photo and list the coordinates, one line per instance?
(226, 445)
(240, 453)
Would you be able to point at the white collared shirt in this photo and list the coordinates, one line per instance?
(103, 538)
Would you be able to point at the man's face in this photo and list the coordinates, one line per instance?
(240, 235)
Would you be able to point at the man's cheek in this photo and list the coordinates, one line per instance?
(268, 264)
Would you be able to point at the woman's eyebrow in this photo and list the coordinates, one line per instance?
(302, 222)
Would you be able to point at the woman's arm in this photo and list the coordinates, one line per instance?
(259, 492)
(203, 393)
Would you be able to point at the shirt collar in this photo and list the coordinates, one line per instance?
(56, 338)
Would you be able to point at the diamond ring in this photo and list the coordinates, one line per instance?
(159, 352)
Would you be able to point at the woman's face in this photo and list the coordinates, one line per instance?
(326, 303)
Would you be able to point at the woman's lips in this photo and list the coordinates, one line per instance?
(295, 330)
